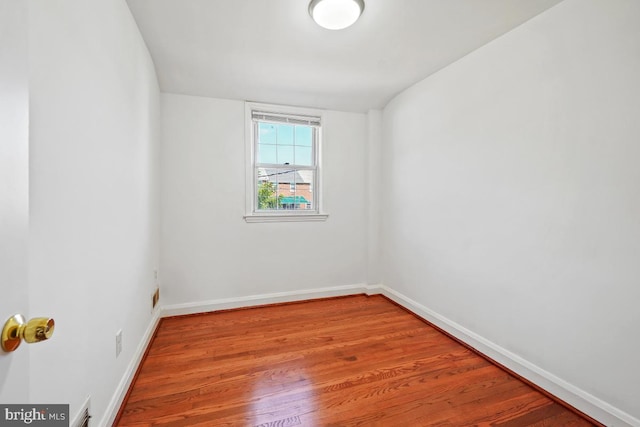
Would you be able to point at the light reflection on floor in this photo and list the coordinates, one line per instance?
(283, 397)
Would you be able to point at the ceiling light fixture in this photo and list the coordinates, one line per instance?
(336, 14)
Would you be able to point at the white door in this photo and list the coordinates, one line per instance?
(14, 191)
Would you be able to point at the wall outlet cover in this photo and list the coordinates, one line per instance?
(118, 342)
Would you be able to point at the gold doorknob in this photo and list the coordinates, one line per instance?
(16, 329)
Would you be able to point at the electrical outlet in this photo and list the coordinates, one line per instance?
(118, 342)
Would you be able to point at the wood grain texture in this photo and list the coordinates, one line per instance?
(353, 361)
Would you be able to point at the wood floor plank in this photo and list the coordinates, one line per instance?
(346, 361)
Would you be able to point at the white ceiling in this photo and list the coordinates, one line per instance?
(271, 51)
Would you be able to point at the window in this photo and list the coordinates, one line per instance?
(283, 165)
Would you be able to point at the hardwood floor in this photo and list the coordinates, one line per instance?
(353, 361)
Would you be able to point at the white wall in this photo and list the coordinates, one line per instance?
(513, 197)
(374, 196)
(14, 190)
(94, 231)
(210, 253)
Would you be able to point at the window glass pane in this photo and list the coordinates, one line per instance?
(267, 153)
(266, 195)
(303, 198)
(285, 154)
(266, 147)
(303, 156)
(266, 133)
(275, 178)
(293, 195)
(304, 136)
(284, 134)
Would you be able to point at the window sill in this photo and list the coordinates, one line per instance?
(285, 217)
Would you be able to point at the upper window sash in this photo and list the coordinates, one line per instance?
(313, 164)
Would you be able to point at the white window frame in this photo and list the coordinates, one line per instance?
(252, 214)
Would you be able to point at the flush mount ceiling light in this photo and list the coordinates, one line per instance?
(335, 14)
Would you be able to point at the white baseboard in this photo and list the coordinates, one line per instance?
(578, 398)
(274, 298)
(121, 391)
